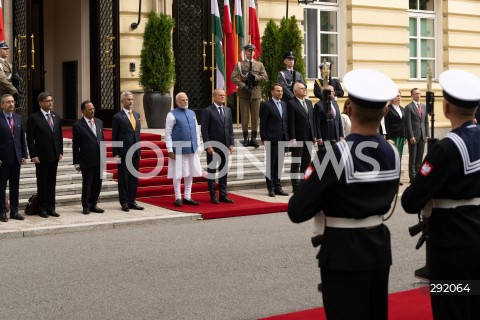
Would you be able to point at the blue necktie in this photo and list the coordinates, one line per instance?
(222, 115)
(50, 120)
(279, 107)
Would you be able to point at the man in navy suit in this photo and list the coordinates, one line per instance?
(13, 153)
(274, 128)
(45, 145)
(217, 134)
(321, 120)
(301, 131)
(126, 129)
(87, 136)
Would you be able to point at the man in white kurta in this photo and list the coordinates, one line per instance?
(182, 138)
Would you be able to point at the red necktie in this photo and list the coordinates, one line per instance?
(419, 109)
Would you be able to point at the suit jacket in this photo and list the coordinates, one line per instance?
(243, 68)
(337, 87)
(122, 130)
(394, 125)
(285, 79)
(417, 126)
(85, 145)
(6, 85)
(213, 127)
(301, 126)
(42, 142)
(273, 127)
(12, 148)
(321, 121)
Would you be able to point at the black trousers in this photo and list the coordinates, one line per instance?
(460, 263)
(127, 182)
(91, 186)
(46, 183)
(274, 163)
(297, 169)
(359, 295)
(215, 164)
(415, 157)
(10, 174)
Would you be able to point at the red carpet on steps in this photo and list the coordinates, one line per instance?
(405, 305)
(158, 190)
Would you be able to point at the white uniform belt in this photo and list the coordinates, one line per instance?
(336, 222)
(451, 204)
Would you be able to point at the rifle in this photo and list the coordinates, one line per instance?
(326, 101)
(250, 82)
(423, 222)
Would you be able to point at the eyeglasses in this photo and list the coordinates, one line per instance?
(48, 101)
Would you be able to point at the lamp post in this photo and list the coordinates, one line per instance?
(286, 15)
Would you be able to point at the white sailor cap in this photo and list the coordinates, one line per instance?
(460, 88)
(369, 88)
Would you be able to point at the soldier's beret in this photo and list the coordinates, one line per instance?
(369, 88)
(249, 47)
(3, 45)
(460, 88)
(289, 54)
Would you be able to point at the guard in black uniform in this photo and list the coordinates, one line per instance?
(353, 184)
(448, 183)
(289, 76)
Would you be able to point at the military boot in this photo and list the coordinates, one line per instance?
(245, 138)
(253, 141)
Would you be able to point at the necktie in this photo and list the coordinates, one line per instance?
(50, 120)
(419, 109)
(11, 123)
(222, 115)
(291, 72)
(132, 120)
(279, 107)
(333, 111)
(92, 126)
(305, 106)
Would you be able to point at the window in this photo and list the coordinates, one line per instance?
(422, 38)
(321, 39)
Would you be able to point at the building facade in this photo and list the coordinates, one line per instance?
(88, 49)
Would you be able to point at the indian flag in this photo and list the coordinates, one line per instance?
(217, 40)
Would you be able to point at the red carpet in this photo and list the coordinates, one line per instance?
(158, 190)
(405, 305)
(242, 207)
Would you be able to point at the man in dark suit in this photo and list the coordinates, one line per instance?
(87, 136)
(13, 153)
(289, 76)
(417, 132)
(318, 85)
(301, 131)
(217, 134)
(45, 145)
(321, 121)
(126, 129)
(274, 128)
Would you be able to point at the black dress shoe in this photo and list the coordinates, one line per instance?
(214, 200)
(3, 218)
(86, 211)
(226, 199)
(135, 206)
(43, 214)
(191, 202)
(96, 210)
(281, 193)
(178, 202)
(16, 216)
(125, 207)
(53, 213)
(271, 193)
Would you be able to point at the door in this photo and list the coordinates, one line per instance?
(104, 58)
(28, 54)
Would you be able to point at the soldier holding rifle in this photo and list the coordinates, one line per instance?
(248, 75)
(447, 188)
(355, 255)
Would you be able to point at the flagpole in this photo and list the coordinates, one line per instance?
(213, 63)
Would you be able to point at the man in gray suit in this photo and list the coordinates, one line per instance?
(417, 132)
(217, 134)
